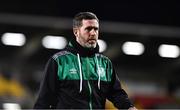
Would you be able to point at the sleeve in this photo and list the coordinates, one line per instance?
(47, 97)
(117, 95)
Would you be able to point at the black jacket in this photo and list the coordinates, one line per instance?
(79, 78)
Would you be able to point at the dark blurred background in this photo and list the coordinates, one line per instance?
(152, 81)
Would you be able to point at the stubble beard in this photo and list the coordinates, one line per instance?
(88, 45)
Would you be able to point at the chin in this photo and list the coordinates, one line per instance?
(91, 46)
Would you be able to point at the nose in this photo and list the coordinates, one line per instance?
(93, 32)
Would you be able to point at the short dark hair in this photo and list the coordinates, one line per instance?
(77, 21)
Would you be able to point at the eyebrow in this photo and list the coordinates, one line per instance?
(92, 27)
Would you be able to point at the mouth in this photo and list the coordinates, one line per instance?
(92, 41)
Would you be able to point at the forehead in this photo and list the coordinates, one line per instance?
(92, 22)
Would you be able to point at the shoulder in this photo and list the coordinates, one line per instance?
(60, 54)
(103, 56)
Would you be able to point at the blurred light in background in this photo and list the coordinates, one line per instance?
(102, 45)
(168, 51)
(13, 39)
(11, 106)
(133, 48)
(54, 42)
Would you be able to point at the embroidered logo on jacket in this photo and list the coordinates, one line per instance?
(73, 71)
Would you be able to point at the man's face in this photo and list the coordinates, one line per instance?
(87, 34)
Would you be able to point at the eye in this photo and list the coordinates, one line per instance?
(90, 28)
(96, 29)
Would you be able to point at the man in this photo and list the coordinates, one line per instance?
(79, 77)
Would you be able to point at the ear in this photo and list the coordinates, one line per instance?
(75, 31)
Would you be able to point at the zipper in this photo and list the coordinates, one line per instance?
(90, 95)
(89, 85)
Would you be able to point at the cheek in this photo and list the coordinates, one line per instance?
(84, 36)
(84, 39)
